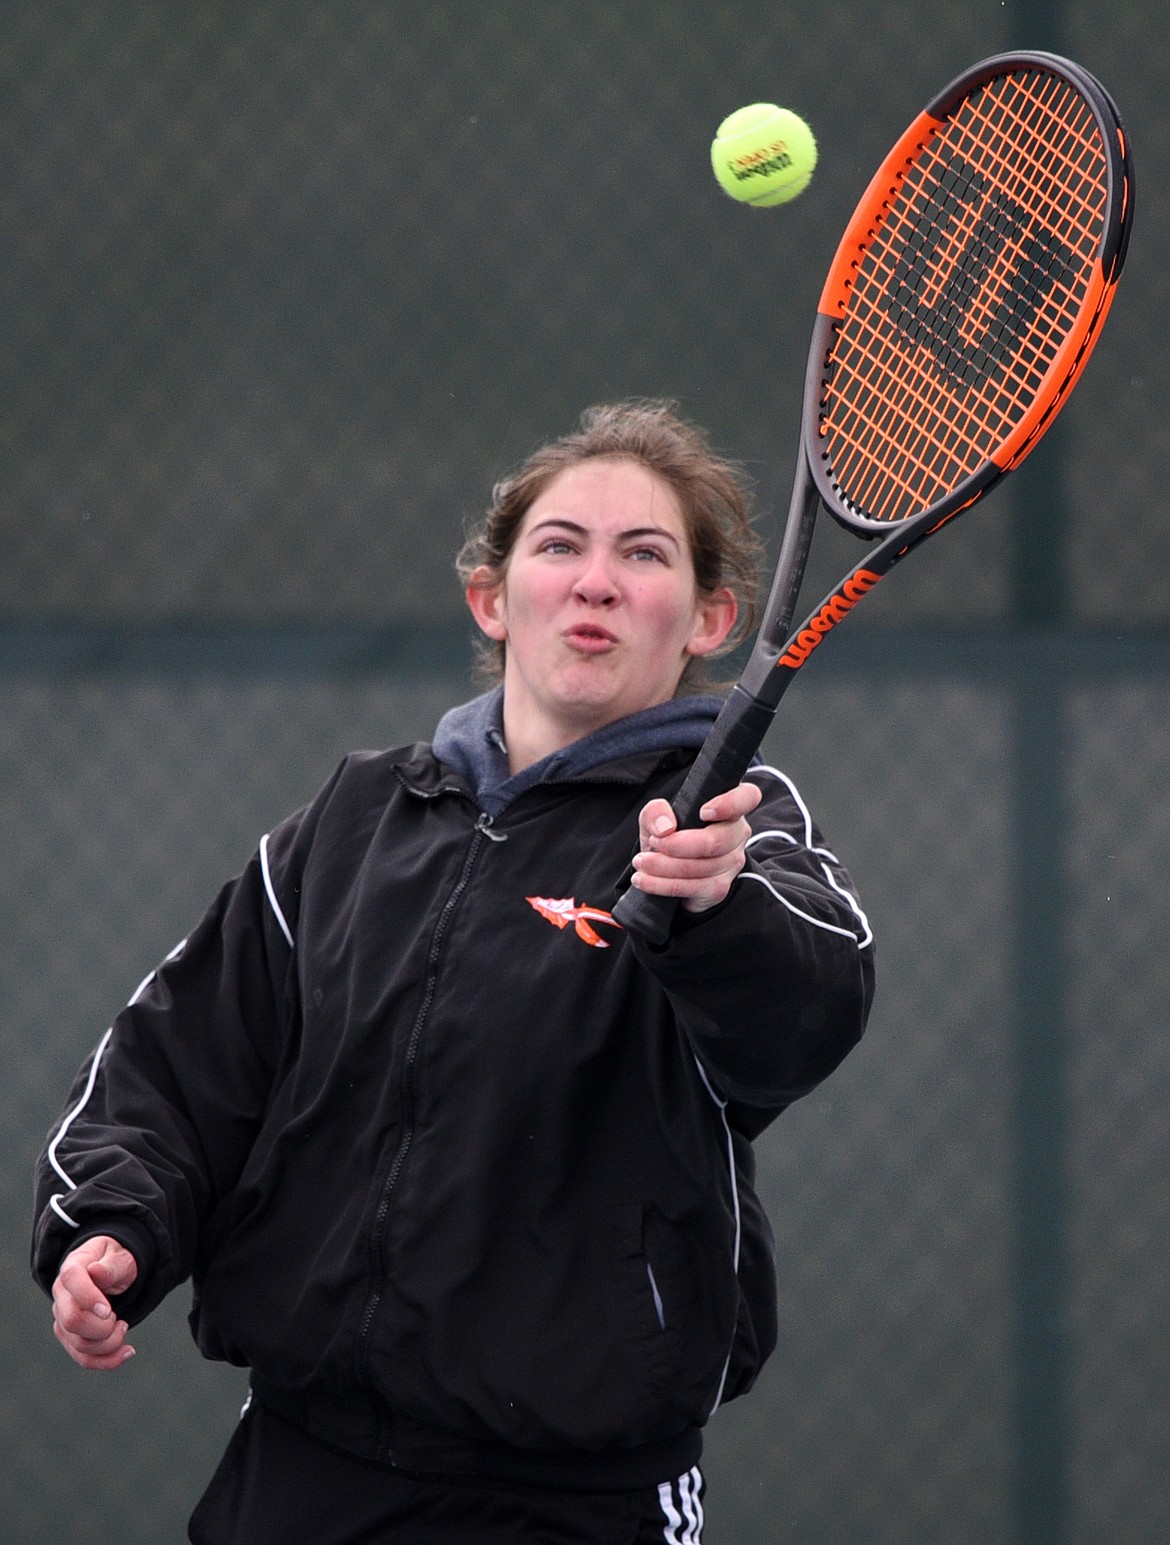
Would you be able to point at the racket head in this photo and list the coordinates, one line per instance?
(967, 293)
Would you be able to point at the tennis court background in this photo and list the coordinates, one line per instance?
(285, 288)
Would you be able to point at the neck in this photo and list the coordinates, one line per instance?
(530, 740)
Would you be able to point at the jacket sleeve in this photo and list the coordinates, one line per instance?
(161, 1117)
(773, 986)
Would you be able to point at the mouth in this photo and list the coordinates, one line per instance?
(589, 638)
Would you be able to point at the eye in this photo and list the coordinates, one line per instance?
(647, 554)
(556, 546)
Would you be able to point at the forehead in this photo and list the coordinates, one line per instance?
(609, 492)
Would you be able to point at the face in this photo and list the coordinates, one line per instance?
(598, 608)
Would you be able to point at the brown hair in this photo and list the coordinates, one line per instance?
(711, 492)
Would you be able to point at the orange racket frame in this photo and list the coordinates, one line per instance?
(965, 297)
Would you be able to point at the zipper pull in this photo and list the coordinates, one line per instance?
(484, 825)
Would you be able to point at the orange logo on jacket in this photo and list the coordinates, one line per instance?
(562, 913)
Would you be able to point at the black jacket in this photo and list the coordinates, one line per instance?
(462, 1172)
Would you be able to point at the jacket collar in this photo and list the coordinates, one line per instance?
(470, 740)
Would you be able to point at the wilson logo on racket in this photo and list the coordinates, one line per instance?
(835, 609)
(562, 913)
(971, 250)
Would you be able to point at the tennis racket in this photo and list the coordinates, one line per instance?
(967, 293)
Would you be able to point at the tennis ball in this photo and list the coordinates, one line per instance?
(763, 155)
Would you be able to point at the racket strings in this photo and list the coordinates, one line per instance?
(975, 271)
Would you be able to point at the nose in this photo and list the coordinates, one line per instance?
(595, 583)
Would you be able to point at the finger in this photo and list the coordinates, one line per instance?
(657, 818)
(97, 1355)
(105, 1345)
(678, 886)
(689, 866)
(707, 889)
(711, 842)
(696, 895)
(94, 1323)
(687, 874)
(82, 1327)
(76, 1289)
(656, 821)
(733, 804)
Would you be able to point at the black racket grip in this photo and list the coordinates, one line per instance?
(723, 759)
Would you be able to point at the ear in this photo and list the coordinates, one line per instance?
(485, 599)
(715, 616)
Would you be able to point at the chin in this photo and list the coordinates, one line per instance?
(591, 696)
(591, 709)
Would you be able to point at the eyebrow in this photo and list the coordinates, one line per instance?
(634, 533)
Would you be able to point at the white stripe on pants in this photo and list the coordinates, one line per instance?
(682, 1507)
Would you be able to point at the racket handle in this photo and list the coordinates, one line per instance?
(723, 759)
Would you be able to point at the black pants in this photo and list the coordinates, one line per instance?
(276, 1485)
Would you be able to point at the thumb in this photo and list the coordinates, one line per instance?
(115, 1269)
(657, 819)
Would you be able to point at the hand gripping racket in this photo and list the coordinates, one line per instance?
(966, 295)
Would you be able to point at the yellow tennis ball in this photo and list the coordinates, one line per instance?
(763, 155)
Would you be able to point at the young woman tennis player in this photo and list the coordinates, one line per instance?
(461, 1171)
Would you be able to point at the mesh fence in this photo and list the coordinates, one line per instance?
(286, 288)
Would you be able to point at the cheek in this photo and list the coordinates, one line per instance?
(670, 614)
(536, 596)
(530, 598)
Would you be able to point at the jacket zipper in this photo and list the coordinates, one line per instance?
(482, 830)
